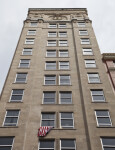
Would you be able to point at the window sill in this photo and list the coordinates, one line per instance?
(95, 83)
(19, 83)
(58, 104)
(14, 102)
(106, 127)
(57, 85)
(99, 102)
(57, 46)
(23, 68)
(57, 57)
(91, 68)
(25, 55)
(9, 127)
(59, 70)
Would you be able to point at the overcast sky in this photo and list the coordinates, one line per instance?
(13, 12)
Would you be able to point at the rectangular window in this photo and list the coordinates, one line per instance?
(97, 96)
(51, 43)
(81, 24)
(16, 95)
(29, 41)
(65, 98)
(87, 51)
(33, 24)
(68, 144)
(48, 119)
(11, 118)
(6, 143)
(31, 32)
(52, 34)
(62, 25)
(49, 97)
(66, 119)
(63, 43)
(51, 65)
(21, 77)
(93, 78)
(108, 143)
(90, 63)
(64, 80)
(27, 51)
(46, 145)
(85, 41)
(62, 34)
(63, 65)
(103, 118)
(52, 26)
(83, 32)
(63, 53)
(50, 79)
(24, 63)
(51, 53)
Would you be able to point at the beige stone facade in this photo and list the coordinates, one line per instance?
(84, 61)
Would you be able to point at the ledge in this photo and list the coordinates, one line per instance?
(107, 127)
(9, 127)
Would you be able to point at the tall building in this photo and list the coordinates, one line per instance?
(57, 79)
(109, 60)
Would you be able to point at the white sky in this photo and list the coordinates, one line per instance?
(13, 12)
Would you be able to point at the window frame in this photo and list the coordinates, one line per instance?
(64, 65)
(83, 32)
(90, 51)
(22, 78)
(62, 148)
(64, 127)
(90, 62)
(98, 95)
(103, 124)
(85, 41)
(106, 146)
(11, 117)
(95, 82)
(48, 119)
(49, 98)
(47, 65)
(29, 41)
(29, 50)
(29, 32)
(69, 79)
(24, 63)
(62, 34)
(62, 25)
(16, 94)
(51, 80)
(65, 98)
(65, 52)
(33, 23)
(81, 24)
(46, 148)
(51, 52)
(63, 43)
(52, 34)
(50, 26)
(51, 44)
(8, 145)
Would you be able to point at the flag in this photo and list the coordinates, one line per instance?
(44, 130)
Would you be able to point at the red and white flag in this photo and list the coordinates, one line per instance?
(44, 130)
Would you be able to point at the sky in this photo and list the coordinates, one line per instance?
(14, 12)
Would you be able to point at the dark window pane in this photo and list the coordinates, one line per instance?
(65, 95)
(102, 113)
(50, 82)
(17, 92)
(24, 65)
(98, 92)
(49, 95)
(23, 75)
(12, 112)
(66, 122)
(20, 80)
(6, 140)
(49, 100)
(47, 144)
(104, 121)
(47, 123)
(66, 115)
(47, 116)
(109, 148)
(67, 143)
(98, 97)
(16, 97)
(11, 120)
(108, 141)
(6, 148)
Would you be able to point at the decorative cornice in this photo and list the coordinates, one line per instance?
(108, 56)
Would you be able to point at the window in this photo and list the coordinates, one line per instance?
(93, 78)
(49, 97)
(67, 144)
(63, 53)
(62, 25)
(29, 41)
(27, 51)
(52, 26)
(64, 79)
(87, 51)
(51, 65)
(81, 24)
(90, 63)
(48, 119)
(83, 32)
(108, 143)
(103, 118)
(31, 32)
(24, 63)
(6, 143)
(21, 77)
(65, 98)
(63, 43)
(51, 53)
(46, 145)
(97, 96)
(62, 34)
(11, 118)
(16, 95)
(50, 79)
(114, 63)
(33, 24)
(63, 65)
(52, 34)
(51, 43)
(66, 119)
(85, 41)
